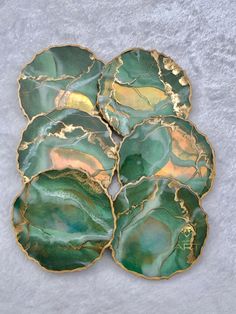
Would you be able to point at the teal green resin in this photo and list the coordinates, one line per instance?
(160, 228)
(63, 220)
(68, 138)
(140, 84)
(60, 77)
(168, 146)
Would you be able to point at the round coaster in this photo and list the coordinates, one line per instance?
(68, 138)
(168, 146)
(160, 228)
(139, 84)
(60, 77)
(63, 220)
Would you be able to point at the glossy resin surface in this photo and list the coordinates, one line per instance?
(139, 84)
(63, 220)
(160, 229)
(60, 77)
(68, 138)
(168, 146)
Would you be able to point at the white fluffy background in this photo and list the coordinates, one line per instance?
(200, 36)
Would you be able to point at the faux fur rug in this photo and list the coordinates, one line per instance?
(199, 35)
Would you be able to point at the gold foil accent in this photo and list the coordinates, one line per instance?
(136, 98)
(76, 100)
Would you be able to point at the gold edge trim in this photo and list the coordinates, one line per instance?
(150, 51)
(103, 249)
(213, 173)
(116, 146)
(35, 56)
(178, 271)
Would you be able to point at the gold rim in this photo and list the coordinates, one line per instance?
(116, 146)
(178, 271)
(33, 58)
(76, 269)
(147, 50)
(213, 173)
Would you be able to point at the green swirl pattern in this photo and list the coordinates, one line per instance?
(60, 77)
(63, 220)
(161, 228)
(140, 84)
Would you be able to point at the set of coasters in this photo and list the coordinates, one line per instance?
(64, 218)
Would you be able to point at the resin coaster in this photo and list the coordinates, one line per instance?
(140, 84)
(63, 220)
(59, 77)
(64, 217)
(68, 138)
(168, 146)
(160, 228)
